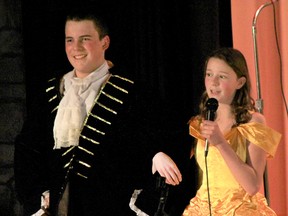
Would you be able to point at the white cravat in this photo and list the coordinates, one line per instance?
(79, 95)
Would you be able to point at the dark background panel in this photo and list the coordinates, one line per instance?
(163, 43)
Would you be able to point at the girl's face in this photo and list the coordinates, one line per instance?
(221, 81)
(84, 49)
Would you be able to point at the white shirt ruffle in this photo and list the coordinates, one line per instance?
(79, 96)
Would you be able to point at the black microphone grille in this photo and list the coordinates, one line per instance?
(212, 104)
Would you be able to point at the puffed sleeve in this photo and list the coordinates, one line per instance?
(262, 136)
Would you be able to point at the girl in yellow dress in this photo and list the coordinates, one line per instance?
(232, 165)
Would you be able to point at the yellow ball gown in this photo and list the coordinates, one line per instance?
(227, 197)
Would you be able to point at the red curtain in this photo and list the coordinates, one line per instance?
(273, 74)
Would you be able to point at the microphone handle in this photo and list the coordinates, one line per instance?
(206, 147)
(210, 116)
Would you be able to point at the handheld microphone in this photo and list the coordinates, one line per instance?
(212, 106)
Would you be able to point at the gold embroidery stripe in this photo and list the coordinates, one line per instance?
(54, 109)
(50, 88)
(106, 108)
(82, 175)
(124, 79)
(53, 98)
(84, 164)
(112, 98)
(83, 149)
(68, 164)
(66, 152)
(94, 129)
(50, 80)
(117, 87)
(91, 140)
(101, 119)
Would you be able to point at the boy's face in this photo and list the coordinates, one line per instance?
(84, 49)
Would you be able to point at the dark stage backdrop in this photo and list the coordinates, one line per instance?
(161, 42)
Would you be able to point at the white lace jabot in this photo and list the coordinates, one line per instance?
(79, 95)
